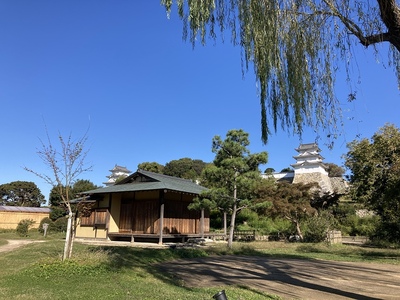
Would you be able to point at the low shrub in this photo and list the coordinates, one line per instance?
(57, 212)
(60, 225)
(361, 226)
(23, 227)
(317, 227)
(386, 232)
(48, 221)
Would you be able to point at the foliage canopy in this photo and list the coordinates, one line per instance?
(184, 168)
(291, 201)
(21, 193)
(296, 47)
(375, 178)
(334, 170)
(151, 167)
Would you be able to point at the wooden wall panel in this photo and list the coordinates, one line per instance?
(145, 216)
(140, 214)
(125, 220)
(179, 219)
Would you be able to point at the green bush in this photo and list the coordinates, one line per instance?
(264, 225)
(60, 225)
(23, 227)
(386, 232)
(362, 226)
(317, 226)
(57, 212)
(48, 221)
(247, 216)
(368, 225)
(216, 220)
(281, 225)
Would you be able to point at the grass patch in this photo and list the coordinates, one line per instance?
(35, 271)
(33, 234)
(337, 252)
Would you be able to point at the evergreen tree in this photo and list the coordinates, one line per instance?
(232, 176)
(21, 193)
(375, 177)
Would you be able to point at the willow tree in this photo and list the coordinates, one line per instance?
(296, 47)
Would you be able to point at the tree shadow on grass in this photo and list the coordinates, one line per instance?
(129, 257)
(286, 275)
(290, 278)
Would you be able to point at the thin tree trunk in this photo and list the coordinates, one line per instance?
(233, 217)
(68, 237)
(232, 226)
(298, 230)
(225, 225)
(73, 233)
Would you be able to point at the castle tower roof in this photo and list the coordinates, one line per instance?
(116, 173)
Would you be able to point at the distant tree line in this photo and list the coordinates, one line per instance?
(184, 168)
(21, 193)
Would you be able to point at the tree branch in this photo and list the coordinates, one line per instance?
(390, 15)
(376, 38)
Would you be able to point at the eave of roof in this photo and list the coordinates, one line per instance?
(25, 209)
(161, 182)
(304, 147)
(308, 163)
(305, 155)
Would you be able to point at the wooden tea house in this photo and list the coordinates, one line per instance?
(145, 206)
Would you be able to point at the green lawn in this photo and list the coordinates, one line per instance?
(35, 271)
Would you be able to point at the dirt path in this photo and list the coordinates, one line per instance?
(292, 278)
(14, 244)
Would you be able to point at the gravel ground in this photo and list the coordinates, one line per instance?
(291, 278)
(14, 244)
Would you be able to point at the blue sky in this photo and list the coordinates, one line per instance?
(122, 69)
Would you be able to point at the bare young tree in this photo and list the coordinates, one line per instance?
(66, 163)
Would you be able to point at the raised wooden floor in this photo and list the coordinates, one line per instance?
(145, 237)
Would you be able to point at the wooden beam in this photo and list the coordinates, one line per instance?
(108, 216)
(160, 240)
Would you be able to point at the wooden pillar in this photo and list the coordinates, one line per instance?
(160, 240)
(109, 216)
(202, 223)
